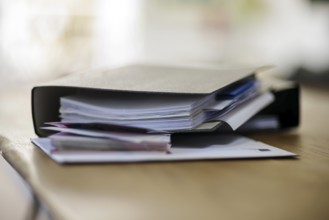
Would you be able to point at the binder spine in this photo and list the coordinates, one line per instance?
(286, 106)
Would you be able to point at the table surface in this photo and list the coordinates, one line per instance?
(226, 189)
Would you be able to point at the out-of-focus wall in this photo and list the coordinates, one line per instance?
(290, 34)
(42, 39)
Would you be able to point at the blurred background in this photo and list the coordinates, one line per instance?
(43, 39)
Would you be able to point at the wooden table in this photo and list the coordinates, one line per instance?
(230, 189)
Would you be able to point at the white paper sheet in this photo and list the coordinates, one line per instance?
(198, 147)
(243, 113)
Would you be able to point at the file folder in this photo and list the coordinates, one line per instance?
(159, 81)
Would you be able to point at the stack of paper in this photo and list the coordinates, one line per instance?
(144, 121)
(166, 112)
(78, 139)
